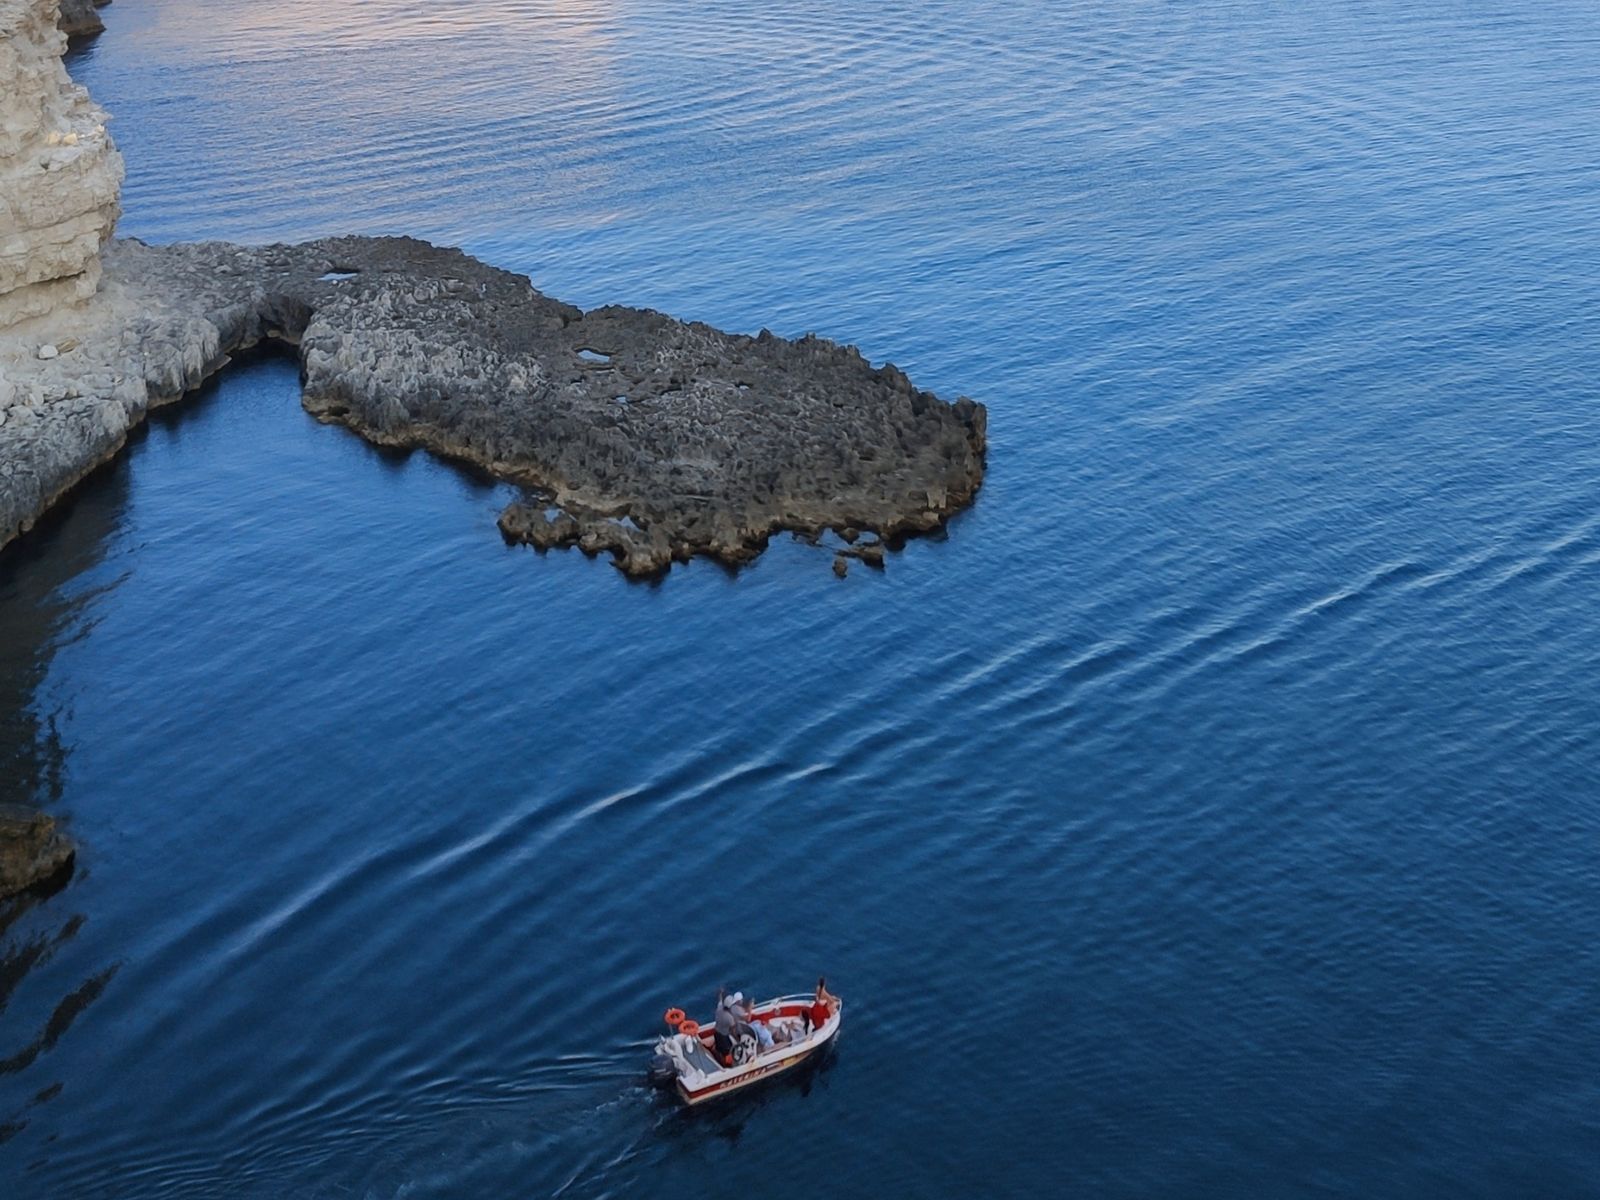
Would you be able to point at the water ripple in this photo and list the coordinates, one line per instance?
(1241, 737)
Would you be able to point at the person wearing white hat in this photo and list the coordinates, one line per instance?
(736, 1039)
(744, 1010)
(727, 1025)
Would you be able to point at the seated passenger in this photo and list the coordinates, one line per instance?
(747, 1041)
(745, 1011)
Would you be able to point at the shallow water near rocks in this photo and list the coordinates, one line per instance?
(1212, 813)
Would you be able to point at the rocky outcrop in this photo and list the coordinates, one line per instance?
(635, 434)
(650, 438)
(79, 18)
(33, 852)
(60, 174)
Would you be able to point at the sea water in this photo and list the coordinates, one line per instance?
(1213, 811)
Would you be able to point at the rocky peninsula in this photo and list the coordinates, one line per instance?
(632, 433)
(637, 434)
(641, 435)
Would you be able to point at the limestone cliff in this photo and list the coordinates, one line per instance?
(60, 173)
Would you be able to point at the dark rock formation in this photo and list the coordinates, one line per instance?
(79, 18)
(870, 553)
(637, 434)
(656, 439)
(32, 850)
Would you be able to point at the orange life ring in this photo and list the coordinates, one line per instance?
(692, 1028)
(674, 1017)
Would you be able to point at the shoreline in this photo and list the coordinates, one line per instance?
(634, 434)
(648, 438)
(638, 435)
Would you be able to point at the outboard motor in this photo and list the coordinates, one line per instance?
(663, 1070)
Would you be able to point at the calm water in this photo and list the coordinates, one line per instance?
(1215, 812)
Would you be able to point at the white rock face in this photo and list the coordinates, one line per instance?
(60, 173)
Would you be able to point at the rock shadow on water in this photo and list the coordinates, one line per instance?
(17, 958)
(42, 600)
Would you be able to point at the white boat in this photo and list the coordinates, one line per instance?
(688, 1059)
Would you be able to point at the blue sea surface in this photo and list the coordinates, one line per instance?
(1214, 811)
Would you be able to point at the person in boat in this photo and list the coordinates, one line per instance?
(823, 1004)
(727, 1025)
(744, 1010)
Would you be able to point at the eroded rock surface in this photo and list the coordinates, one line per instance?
(32, 850)
(60, 174)
(640, 435)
